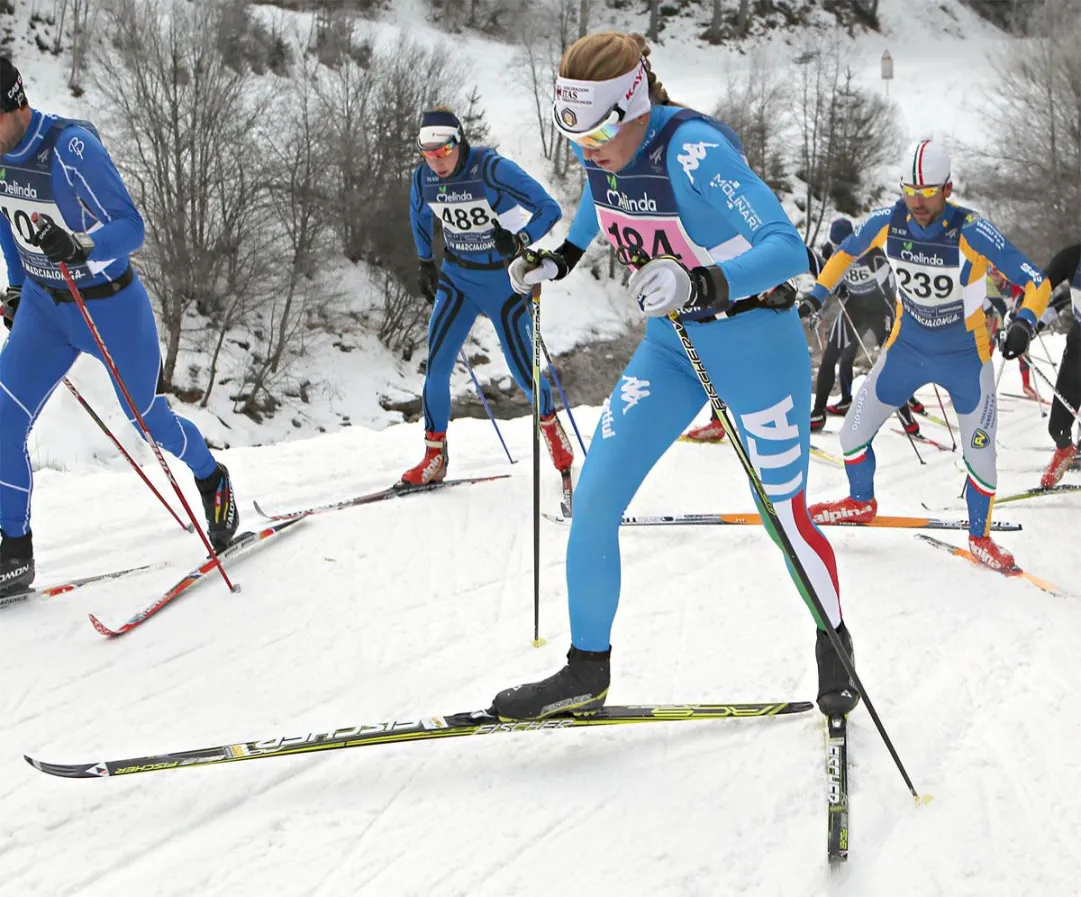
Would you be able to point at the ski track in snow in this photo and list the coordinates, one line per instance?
(423, 605)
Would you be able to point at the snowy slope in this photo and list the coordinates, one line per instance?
(423, 605)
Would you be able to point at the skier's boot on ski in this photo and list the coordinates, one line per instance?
(219, 505)
(581, 686)
(433, 466)
(844, 510)
(837, 695)
(16, 563)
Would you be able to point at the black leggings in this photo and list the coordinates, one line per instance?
(842, 347)
(1068, 384)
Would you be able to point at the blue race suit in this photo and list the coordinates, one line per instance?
(939, 335)
(689, 192)
(474, 279)
(61, 169)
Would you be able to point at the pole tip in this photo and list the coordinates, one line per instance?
(540, 642)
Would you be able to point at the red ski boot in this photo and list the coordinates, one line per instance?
(987, 552)
(1060, 463)
(711, 432)
(559, 446)
(433, 467)
(845, 510)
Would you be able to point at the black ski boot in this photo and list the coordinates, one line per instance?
(581, 686)
(219, 503)
(837, 696)
(16, 563)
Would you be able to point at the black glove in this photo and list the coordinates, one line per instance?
(59, 245)
(565, 257)
(710, 289)
(781, 298)
(509, 244)
(11, 303)
(1018, 336)
(427, 279)
(809, 306)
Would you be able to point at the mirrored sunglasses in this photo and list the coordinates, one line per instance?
(925, 192)
(596, 137)
(439, 152)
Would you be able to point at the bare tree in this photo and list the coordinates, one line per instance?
(755, 105)
(185, 120)
(817, 77)
(544, 34)
(1033, 168)
(654, 19)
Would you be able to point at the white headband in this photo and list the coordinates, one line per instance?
(438, 135)
(582, 105)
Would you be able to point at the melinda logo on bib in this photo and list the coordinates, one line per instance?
(909, 256)
(622, 201)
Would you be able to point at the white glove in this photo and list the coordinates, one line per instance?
(661, 287)
(523, 277)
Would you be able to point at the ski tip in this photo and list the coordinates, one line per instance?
(259, 510)
(101, 627)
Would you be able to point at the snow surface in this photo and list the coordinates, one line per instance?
(423, 606)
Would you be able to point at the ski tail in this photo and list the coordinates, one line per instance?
(240, 545)
(1015, 572)
(837, 784)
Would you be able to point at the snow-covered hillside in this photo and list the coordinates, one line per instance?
(423, 606)
(944, 61)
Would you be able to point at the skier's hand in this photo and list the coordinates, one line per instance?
(662, 285)
(427, 279)
(509, 244)
(781, 298)
(59, 245)
(809, 306)
(537, 265)
(11, 302)
(1018, 336)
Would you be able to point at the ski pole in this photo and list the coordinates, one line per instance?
(945, 417)
(116, 442)
(769, 517)
(143, 429)
(1058, 396)
(484, 402)
(776, 529)
(870, 360)
(534, 305)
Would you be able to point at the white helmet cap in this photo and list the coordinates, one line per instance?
(925, 164)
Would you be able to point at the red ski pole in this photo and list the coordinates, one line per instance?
(105, 429)
(111, 365)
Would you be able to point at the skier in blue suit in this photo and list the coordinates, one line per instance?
(673, 184)
(63, 202)
(489, 210)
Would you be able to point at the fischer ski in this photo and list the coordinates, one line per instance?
(396, 491)
(63, 588)
(883, 521)
(837, 782)
(240, 545)
(1015, 571)
(1060, 489)
(478, 722)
